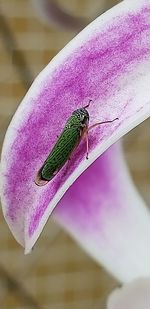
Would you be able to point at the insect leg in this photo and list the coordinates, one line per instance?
(87, 145)
(99, 123)
(85, 135)
(91, 127)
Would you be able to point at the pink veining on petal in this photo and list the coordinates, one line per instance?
(98, 69)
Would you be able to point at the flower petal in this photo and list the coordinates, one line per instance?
(108, 62)
(134, 295)
(103, 211)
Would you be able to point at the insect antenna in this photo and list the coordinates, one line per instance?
(103, 122)
(91, 127)
(88, 104)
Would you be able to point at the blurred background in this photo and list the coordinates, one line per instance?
(58, 274)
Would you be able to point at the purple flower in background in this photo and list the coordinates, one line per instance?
(108, 63)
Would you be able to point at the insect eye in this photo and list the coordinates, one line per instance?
(83, 119)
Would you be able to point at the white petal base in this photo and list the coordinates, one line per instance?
(134, 295)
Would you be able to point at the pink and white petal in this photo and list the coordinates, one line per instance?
(134, 295)
(108, 62)
(105, 214)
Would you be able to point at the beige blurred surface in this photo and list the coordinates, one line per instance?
(58, 274)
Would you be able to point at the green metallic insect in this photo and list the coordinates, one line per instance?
(76, 128)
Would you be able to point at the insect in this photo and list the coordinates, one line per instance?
(76, 128)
